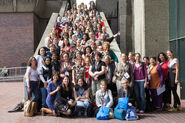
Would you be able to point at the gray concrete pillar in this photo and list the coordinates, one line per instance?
(122, 24)
(139, 26)
(125, 25)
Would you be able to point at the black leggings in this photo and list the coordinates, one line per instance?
(175, 95)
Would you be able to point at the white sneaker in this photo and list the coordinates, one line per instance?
(141, 111)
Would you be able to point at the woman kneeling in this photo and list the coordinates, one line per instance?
(81, 94)
(52, 88)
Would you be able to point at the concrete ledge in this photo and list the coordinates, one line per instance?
(63, 8)
(50, 25)
(114, 45)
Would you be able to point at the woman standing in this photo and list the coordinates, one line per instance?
(40, 58)
(163, 61)
(156, 81)
(45, 74)
(97, 71)
(66, 67)
(173, 75)
(53, 88)
(88, 78)
(109, 72)
(140, 82)
(32, 79)
(124, 71)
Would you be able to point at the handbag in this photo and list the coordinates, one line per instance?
(29, 108)
(103, 113)
(131, 114)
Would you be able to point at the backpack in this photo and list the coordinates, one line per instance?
(122, 103)
(103, 113)
(120, 113)
(131, 114)
(29, 108)
(121, 108)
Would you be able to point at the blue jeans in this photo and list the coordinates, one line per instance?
(44, 94)
(34, 89)
(140, 95)
(83, 104)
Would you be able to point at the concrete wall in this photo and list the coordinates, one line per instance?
(16, 38)
(156, 26)
(151, 26)
(42, 8)
(109, 7)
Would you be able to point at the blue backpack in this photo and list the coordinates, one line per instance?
(122, 103)
(131, 114)
(121, 108)
(120, 113)
(103, 113)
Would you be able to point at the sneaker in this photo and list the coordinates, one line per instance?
(172, 109)
(141, 111)
(179, 108)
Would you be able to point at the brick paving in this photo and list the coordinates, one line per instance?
(12, 92)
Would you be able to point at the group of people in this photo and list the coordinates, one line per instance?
(77, 72)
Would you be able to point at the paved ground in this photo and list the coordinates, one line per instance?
(12, 92)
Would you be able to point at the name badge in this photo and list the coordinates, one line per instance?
(67, 73)
(149, 77)
(126, 75)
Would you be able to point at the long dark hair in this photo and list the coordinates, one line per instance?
(165, 56)
(49, 66)
(85, 87)
(30, 61)
(69, 84)
(86, 48)
(42, 48)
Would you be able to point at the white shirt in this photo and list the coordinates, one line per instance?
(172, 63)
(40, 61)
(33, 74)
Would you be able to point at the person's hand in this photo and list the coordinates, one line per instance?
(62, 75)
(29, 89)
(117, 74)
(145, 85)
(77, 98)
(176, 81)
(118, 33)
(58, 88)
(131, 84)
(45, 84)
(96, 77)
(70, 102)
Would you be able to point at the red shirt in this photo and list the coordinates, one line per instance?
(87, 74)
(165, 69)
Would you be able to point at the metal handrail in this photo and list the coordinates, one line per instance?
(14, 73)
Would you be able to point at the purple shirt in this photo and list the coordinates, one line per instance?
(140, 72)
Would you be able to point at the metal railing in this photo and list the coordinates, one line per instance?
(13, 74)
